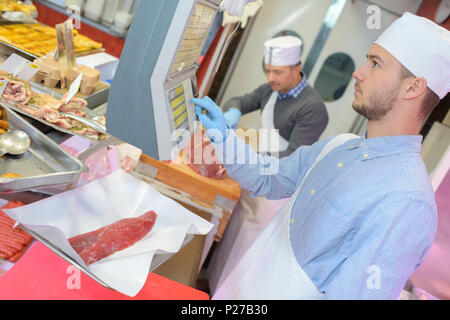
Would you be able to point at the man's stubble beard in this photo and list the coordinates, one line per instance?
(378, 106)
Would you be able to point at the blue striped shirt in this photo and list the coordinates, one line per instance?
(295, 91)
(365, 218)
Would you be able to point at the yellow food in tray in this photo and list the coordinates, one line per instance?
(12, 5)
(40, 40)
(11, 175)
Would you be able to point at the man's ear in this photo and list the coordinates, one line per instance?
(415, 87)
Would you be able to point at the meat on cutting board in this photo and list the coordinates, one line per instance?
(101, 243)
(201, 156)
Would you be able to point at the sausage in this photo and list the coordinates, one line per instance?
(13, 204)
(16, 256)
(4, 124)
(7, 238)
(12, 245)
(16, 237)
(8, 222)
(16, 232)
(9, 228)
(13, 237)
(4, 215)
(6, 250)
(6, 225)
(7, 219)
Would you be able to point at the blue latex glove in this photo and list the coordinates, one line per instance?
(214, 120)
(233, 116)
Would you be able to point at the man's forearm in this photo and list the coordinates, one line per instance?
(254, 172)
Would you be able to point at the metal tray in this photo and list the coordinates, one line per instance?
(157, 260)
(89, 114)
(45, 164)
(95, 99)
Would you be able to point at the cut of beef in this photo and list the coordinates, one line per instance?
(199, 154)
(101, 243)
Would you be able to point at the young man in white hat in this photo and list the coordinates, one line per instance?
(287, 102)
(366, 216)
(297, 113)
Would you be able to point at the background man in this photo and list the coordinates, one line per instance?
(287, 102)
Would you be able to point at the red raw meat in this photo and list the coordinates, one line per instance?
(101, 243)
(201, 157)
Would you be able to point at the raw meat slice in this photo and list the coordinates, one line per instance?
(74, 106)
(51, 115)
(17, 91)
(44, 100)
(101, 243)
(200, 156)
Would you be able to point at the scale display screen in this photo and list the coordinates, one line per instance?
(177, 100)
(182, 114)
(194, 37)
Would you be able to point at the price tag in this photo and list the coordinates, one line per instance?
(74, 87)
(28, 71)
(3, 84)
(19, 67)
(13, 64)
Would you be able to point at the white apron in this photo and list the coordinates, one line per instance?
(249, 217)
(269, 139)
(269, 269)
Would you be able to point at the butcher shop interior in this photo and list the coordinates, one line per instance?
(112, 186)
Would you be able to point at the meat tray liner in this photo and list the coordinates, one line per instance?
(45, 164)
(158, 259)
(101, 202)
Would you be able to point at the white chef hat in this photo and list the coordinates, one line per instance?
(282, 51)
(422, 47)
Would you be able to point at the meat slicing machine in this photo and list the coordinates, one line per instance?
(149, 100)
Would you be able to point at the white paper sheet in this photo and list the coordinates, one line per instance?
(103, 202)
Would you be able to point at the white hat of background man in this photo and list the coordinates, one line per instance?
(282, 51)
(422, 47)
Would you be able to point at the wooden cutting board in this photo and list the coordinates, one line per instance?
(182, 177)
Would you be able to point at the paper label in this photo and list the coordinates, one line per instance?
(28, 71)
(19, 67)
(74, 87)
(13, 64)
(3, 84)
